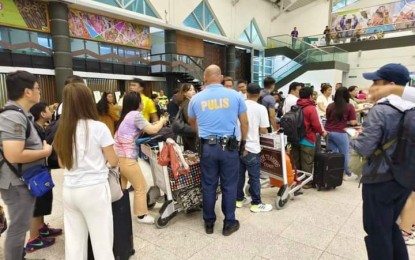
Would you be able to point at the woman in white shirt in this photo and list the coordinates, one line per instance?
(84, 145)
(324, 99)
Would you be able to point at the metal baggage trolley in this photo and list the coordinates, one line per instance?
(161, 178)
(273, 165)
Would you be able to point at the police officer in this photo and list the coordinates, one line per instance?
(215, 112)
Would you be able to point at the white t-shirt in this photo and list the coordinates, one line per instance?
(90, 164)
(290, 101)
(326, 101)
(257, 117)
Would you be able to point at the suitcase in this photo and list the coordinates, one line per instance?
(328, 170)
(123, 246)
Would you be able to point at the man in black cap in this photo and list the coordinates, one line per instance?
(383, 196)
(250, 160)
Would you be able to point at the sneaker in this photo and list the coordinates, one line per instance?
(46, 231)
(409, 238)
(262, 207)
(146, 219)
(241, 203)
(350, 177)
(39, 243)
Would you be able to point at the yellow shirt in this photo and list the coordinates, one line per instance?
(148, 107)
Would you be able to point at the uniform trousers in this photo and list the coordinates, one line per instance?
(218, 163)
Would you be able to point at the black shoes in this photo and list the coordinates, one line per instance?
(229, 229)
(209, 228)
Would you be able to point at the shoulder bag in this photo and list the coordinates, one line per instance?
(180, 127)
(114, 183)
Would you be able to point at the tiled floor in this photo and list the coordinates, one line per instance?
(317, 225)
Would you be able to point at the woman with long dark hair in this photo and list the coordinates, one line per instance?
(107, 113)
(131, 125)
(339, 115)
(84, 146)
(184, 95)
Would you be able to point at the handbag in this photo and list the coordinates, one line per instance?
(3, 221)
(357, 162)
(114, 183)
(180, 127)
(37, 178)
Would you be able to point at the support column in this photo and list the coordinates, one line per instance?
(62, 57)
(170, 44)
(230, 61)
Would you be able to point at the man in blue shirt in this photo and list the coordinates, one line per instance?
(214, 112)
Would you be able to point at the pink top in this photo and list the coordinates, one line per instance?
(128, 131)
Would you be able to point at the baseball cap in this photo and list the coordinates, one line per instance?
(253, 88)
(392, 72)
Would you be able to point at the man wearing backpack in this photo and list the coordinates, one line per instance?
(303, 151)
(268, 101)
(20, 147)
(383, 196)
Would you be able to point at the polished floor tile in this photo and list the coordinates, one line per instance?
(324, 225)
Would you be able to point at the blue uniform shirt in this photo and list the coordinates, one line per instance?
(217, 109)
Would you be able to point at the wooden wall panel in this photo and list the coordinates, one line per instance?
(47, 89)
(215, 54)
(107, 85)
(189, 45)
(3, 90)
(243, 65)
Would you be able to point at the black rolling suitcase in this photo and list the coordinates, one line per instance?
(123, 230)
(328, 170)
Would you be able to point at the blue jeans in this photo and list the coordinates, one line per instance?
(224, 164)
(339, 143)
(251, 163)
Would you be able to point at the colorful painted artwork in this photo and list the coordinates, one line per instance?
(101, 28)
(25, 14)
(385, 17)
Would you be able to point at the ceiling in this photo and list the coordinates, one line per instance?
(290, 5)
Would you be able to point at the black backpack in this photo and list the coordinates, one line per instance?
(16, 108)
(50, 132)
(292, 123)
(402, 162)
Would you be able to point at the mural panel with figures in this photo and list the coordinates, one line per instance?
(96, 27)
(385, 17)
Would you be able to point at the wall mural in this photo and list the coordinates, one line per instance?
(385, 17)
(25, 14)
(96, 27)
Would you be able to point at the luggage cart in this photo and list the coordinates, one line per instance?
(161, 178)
(273, 165)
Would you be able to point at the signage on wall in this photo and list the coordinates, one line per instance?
(96, 27)
(384, 17)
(24, 14)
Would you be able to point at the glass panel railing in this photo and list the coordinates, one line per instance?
(330, 53)
(177, 63)
(25, 42)
(286, 40)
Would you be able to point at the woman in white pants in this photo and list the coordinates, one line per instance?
(84, 145)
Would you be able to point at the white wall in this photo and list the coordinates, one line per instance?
(315, 78)
(310, 20)
(369, 61)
